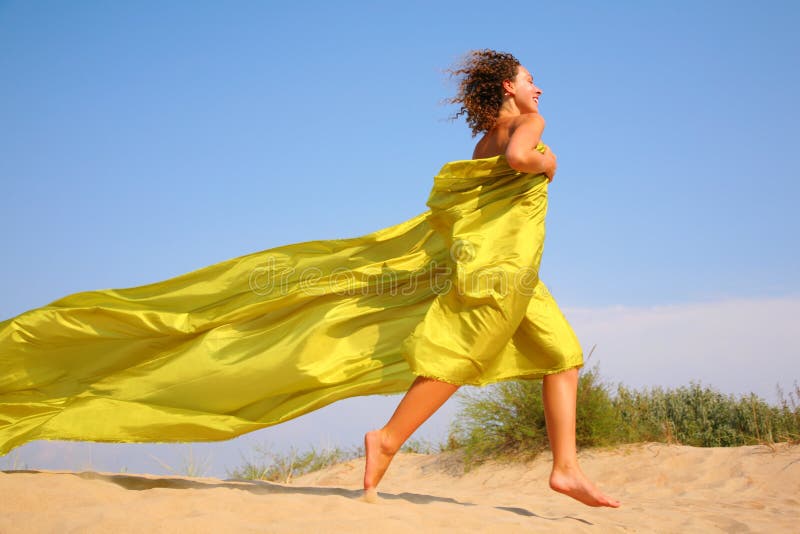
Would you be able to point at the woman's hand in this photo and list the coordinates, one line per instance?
(550, 164)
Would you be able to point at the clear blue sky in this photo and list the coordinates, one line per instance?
(142, 140)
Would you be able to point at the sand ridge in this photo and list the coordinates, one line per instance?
(663, 488)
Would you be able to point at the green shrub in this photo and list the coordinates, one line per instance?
(703, 417)
(598, 420)
(501, 420)
(507, 419)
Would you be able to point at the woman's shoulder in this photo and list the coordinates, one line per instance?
(526, 127)
(496, 140)
(532, 118)
(525, 124)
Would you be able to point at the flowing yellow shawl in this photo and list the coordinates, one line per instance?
(453, 293)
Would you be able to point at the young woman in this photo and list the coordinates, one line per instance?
(501, 101)
(259, 339)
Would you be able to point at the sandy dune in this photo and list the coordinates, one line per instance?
(663, 488)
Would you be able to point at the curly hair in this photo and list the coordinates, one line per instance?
(480, 88)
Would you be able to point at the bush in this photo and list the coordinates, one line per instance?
(598, 419)
(703, 417)
(506, 420)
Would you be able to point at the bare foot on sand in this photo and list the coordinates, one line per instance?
(571, 481)
(379, 456)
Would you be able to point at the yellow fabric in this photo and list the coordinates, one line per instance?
(253, 341)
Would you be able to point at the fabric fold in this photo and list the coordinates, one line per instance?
(452, 293)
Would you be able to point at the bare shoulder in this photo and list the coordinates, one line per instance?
(527, 120)
(510, 136)
(526, 135)
(526, 128)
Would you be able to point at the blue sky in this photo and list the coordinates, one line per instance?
(144, 140)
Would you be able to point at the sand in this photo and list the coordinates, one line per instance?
(663, 488)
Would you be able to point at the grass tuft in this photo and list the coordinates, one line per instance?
(506, 420)
(191, 465)
(283, 467)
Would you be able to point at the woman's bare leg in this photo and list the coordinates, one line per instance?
(559, 392)
(423, 398)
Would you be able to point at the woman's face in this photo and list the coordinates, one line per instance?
(525, 93)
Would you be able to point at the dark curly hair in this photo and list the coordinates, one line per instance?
(480, 88)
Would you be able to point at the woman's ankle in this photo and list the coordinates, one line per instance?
(566, 466)
(385, 441)
(389, 444)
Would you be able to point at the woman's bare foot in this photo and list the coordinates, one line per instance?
(379, 456)
(571, 481)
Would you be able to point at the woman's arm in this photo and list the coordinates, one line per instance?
(521, 152)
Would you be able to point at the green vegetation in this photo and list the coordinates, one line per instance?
(282, 467)
(421, 446)
(506, 420)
